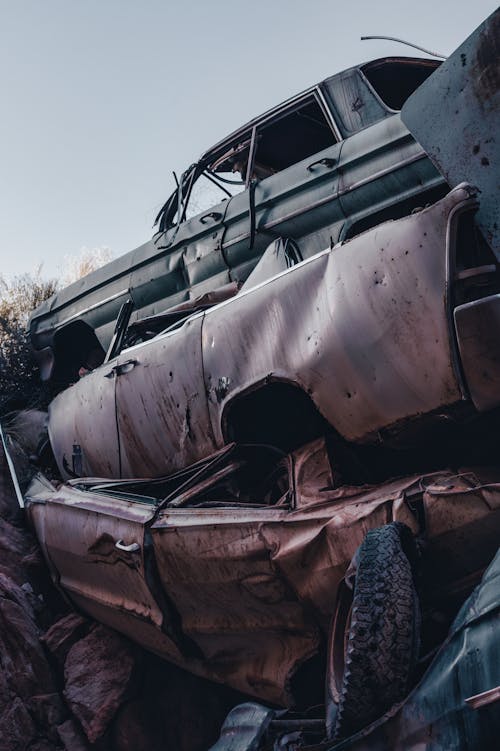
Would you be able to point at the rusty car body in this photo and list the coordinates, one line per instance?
(366, 339)
(322, 167)
(232, 569)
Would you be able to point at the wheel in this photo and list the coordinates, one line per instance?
(374, 640)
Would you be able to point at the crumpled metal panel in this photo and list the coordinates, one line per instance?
(245, 617)
(78, 532)
(454, 115)
(327, 526)
(85, 414)
(362, 328)
(81, 537)
(253, 588)
(161, 404)
(146, 421)
(244, 579)
(436, 716)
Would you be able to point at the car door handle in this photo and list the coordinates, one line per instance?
(326, 162)
(121, 368)
(134, 547)
(214, 215)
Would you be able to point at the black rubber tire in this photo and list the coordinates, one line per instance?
(383, 633)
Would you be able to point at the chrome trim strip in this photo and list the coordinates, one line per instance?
(328, 114)
(381, 173)
(87, 310)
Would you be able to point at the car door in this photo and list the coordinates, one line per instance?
(98, 551)
(82, 426)
(383, 168)
(292, 190)
(161, 404)
(233, 604)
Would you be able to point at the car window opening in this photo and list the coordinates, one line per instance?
(246, 476)
(293, 137)
(78, 351)
(287, 139)
(150, 326)
(394, 80)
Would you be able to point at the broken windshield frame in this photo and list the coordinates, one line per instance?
(238, 154)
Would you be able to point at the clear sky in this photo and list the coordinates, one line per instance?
(102, 99)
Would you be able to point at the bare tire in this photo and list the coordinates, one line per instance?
(375, 636)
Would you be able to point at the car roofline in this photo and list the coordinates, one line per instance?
(270, 113)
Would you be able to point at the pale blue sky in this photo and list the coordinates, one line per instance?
(102, 99)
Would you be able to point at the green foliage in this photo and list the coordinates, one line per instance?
(20, 384)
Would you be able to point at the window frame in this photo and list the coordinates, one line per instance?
(409, 61)
(248, 132)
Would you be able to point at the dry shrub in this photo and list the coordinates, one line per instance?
(87, 260)
(20, 384)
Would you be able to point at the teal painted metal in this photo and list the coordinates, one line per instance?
(455, 116)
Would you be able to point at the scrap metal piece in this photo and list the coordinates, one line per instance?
(484, 699)
(244, 728)
(454, 116)
(476, 325)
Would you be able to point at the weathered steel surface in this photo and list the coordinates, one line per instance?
(90, 421)
(78, 533)
(146, 420)
(243, 595)
(244, 728)
(161, 406)
(477, 325)
(437, 715)
(362, 328)
(216, 566)
(455, 115)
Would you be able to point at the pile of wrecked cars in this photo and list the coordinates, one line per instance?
(278, 468)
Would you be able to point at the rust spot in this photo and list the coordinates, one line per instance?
(486, 76)
(222, 388)
(188, 423)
